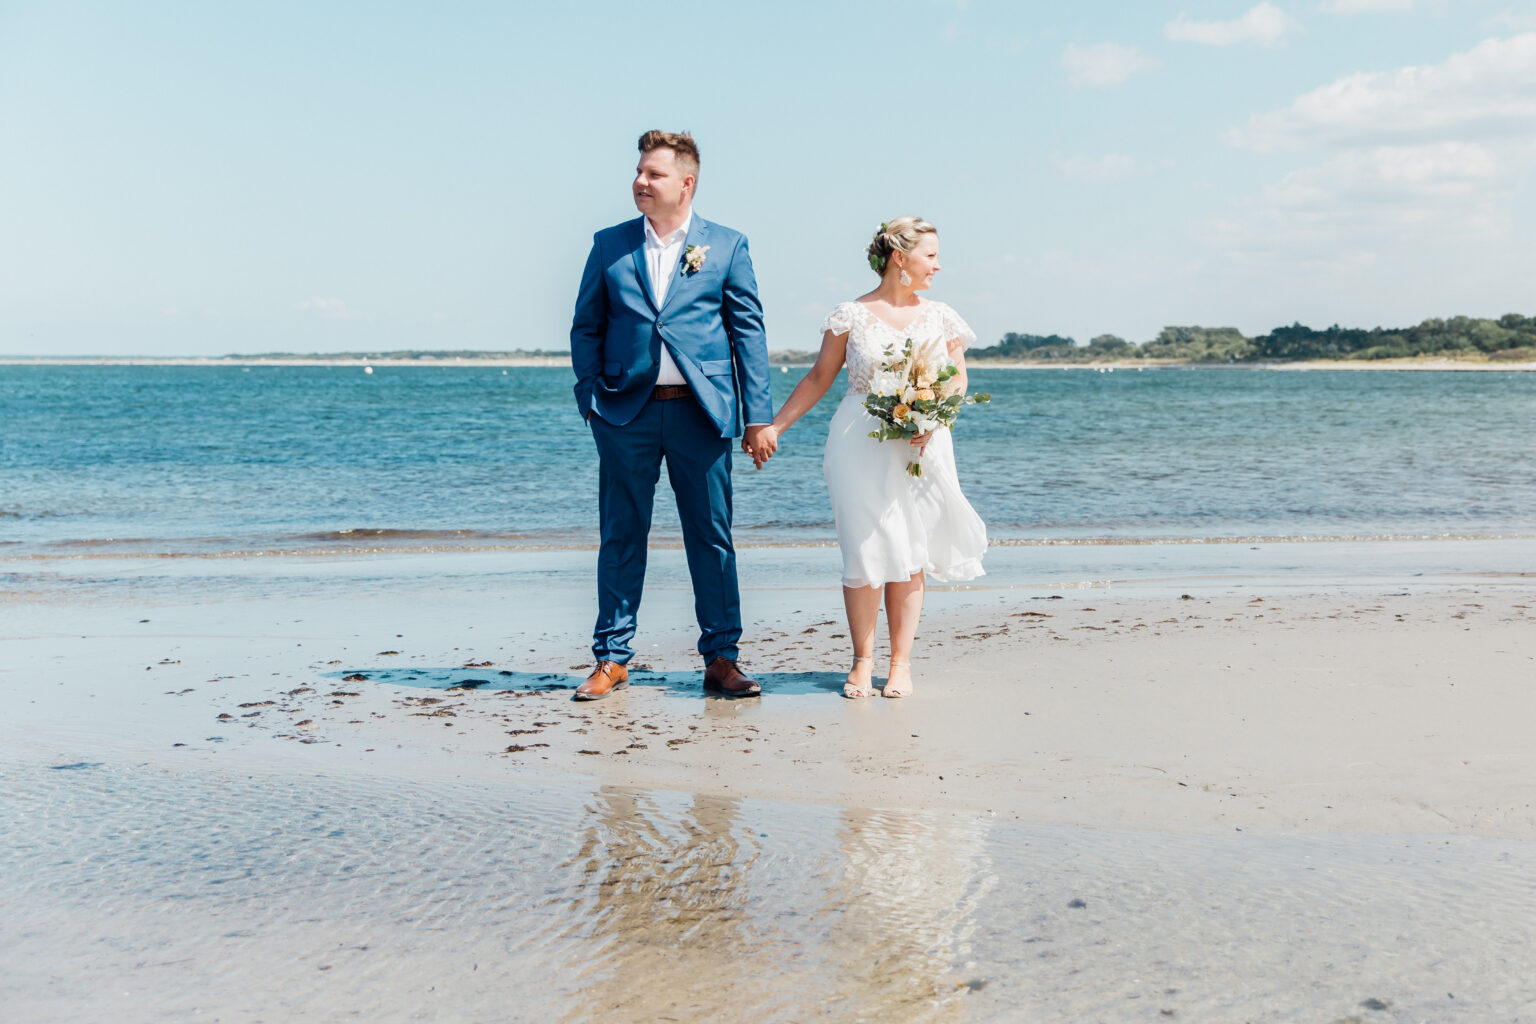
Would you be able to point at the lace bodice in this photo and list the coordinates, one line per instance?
(868, 335)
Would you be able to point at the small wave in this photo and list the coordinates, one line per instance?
(96, 542)
(396, 533)
(93, 549)
(441, 539)
(396, 541)
(330, 542)
(15, 513)
(1360, 538)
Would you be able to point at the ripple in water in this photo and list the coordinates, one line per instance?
(137, 893)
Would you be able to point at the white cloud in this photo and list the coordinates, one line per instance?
(1454, 189)
(1487, 92)
(331, 309)
(1511, 20)
(1264, 24)
(1394, 195)
(1364, 6)
(1424, 155)
(1109, 167)
(1104, 64)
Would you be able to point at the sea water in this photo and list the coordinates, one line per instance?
(208, 459)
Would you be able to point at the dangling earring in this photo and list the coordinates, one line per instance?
(905, 278)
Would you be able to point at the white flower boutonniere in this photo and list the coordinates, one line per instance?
(693, 257)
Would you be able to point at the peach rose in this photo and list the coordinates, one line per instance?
(900, 412)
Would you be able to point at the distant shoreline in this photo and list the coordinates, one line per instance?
(1433, 363)
(510, 361)
(279, 361)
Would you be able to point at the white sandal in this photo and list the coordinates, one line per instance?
(886, 690)
(852, 690)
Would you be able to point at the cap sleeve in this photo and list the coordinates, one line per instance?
(954, 327)
(840, 320)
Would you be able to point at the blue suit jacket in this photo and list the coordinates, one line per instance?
(711, 322)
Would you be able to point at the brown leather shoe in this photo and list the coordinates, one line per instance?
(724, 677)
(607, 677)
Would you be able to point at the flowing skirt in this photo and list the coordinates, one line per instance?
(890, 524)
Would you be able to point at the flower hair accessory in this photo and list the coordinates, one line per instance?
(877, 263)
(693, 257)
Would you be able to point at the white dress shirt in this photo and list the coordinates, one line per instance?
(662, 256)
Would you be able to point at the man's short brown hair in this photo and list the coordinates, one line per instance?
(680, 143)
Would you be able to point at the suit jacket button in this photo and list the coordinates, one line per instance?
(661, 323)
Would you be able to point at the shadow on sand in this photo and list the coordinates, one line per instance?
(677, 684)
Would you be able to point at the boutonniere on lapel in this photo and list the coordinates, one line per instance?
(693, 257)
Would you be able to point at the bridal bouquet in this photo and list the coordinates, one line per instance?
(907, 395)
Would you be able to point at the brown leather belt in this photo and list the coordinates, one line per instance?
(667, 392)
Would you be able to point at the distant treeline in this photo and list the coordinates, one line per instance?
(1511, 337)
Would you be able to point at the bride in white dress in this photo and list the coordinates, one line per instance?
(894, 529)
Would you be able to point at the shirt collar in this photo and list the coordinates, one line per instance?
(676, 236)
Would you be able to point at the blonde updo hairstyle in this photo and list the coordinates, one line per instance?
(902, 233)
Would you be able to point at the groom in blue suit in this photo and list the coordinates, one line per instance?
(671, 363)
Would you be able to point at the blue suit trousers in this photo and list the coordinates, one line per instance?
(699, 468)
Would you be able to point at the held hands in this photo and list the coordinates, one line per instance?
(760, 442)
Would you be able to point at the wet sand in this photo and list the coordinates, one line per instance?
(1247, 799)
(1394, 711)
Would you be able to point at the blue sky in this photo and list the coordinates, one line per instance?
(215, 178)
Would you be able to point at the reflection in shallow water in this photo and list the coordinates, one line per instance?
(675, 920)
(142, 893)
(910, 889)
(660, 912)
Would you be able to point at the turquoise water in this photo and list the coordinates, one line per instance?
(195, 459)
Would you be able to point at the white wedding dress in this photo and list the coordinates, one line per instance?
(891, 524)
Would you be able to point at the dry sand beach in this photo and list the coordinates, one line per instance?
(360, 791)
